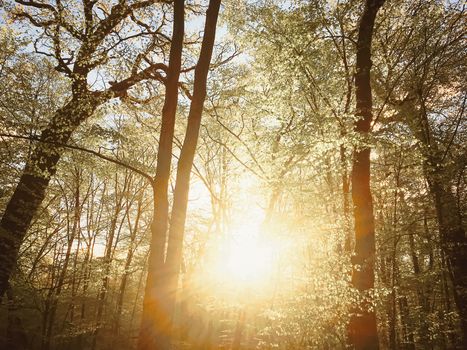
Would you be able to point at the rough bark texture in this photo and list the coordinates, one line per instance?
(155, 325)
(362, 328)
(185, 163)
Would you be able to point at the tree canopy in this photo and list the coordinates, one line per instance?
(245, 174)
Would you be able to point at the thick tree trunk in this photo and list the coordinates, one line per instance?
(185, 163)
(41, 166)
(362, 328)
(155, 319)
(30, 191)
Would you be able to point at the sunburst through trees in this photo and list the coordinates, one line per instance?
(242, 174)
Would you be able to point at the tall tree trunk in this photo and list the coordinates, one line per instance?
(153, 331)
(185, 162)
(346, 201)
(362, 328)
(42, 164)
(451, 230)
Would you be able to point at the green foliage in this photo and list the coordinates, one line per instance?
(273, 160)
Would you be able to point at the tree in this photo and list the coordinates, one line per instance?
(419, 99)
(363, 333)
(163, 273)
(92, 52)
(187, 153)
(155, 324)
(244, 234)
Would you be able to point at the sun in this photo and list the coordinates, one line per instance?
(244, 255)
(249, 260)
(245, 258)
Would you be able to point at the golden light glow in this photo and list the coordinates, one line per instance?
(245, 258)
(244, 255)
(249, 259)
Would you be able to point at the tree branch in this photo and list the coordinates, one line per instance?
(85, 150)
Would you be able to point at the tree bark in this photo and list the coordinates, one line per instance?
(362, 328)
(154, 325)
(42, 165)
(185, 163)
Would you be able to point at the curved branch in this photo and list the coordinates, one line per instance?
(85, 150)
